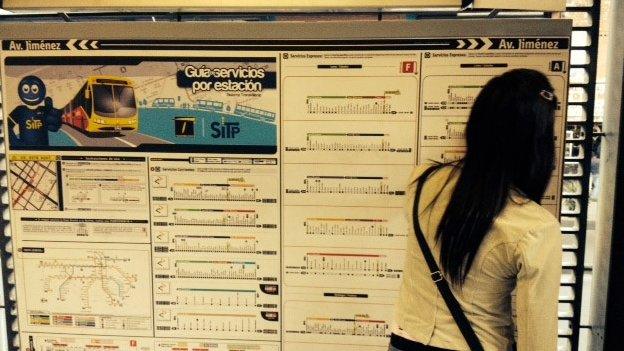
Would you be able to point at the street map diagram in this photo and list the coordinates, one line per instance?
(34, 185)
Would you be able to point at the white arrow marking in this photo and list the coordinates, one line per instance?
(70, 44)
(473, 44)
(94, 44)
(83, 44)
(488, 43)
(461, 43)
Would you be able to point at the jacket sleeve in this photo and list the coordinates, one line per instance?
(538, 259)
(52, 115)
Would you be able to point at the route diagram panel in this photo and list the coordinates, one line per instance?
(215, 227)
(183, 195)
(85, 288)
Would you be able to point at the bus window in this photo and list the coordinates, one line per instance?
(114, 101)
(103, 100)
(125, 101)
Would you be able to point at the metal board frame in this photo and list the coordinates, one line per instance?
(284, 30)
(301, 31)
(320, 5)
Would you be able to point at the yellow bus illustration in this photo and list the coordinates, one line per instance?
(103, 104)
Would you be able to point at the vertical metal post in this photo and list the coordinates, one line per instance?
(608, 277)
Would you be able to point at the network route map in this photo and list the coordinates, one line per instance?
(87, 288)
(96, 271)
(34, 185)
(221, 195)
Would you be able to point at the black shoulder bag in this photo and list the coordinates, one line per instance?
(438, 279)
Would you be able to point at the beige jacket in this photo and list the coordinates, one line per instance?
(522, 251)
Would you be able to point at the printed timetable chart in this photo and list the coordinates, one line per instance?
(360, 316)
(450, 85)
(349, 144)
(346, 159)
(198, 196)
(216, 345)
(216, 239)
(386, 227)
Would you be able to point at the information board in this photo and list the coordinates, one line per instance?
(235, 186)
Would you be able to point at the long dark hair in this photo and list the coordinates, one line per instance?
(510, 147)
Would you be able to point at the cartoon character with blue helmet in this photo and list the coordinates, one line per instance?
(32, 120)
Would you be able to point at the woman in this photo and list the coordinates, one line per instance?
(482, 221)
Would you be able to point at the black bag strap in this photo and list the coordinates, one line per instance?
(438, 279)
